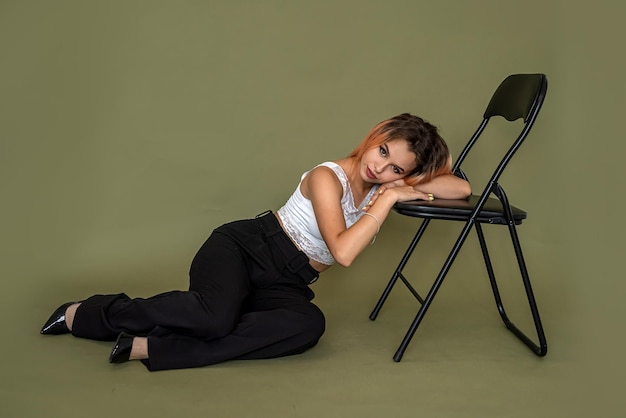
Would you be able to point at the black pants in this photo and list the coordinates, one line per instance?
(248, 298)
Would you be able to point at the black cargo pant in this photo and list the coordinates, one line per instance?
(248, 298)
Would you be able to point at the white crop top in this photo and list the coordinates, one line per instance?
(299, 220)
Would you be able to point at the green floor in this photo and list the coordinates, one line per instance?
(462, 362)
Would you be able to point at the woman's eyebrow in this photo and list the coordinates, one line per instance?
(402, 170)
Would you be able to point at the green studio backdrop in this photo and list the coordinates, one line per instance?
(130, 129)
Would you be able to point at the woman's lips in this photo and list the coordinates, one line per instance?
(369, 174)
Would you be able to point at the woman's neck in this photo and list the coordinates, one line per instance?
(352, 169)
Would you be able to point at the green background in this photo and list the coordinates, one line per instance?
(130, 129)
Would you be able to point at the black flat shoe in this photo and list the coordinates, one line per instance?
(122, 348)
(56, 323)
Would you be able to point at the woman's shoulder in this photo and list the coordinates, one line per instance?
(327, 171)
(336, 168)
(330, 164)
(325, 177)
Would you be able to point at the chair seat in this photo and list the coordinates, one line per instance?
(459, 210)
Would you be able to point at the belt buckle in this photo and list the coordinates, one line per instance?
(297, 262)
(295, 268)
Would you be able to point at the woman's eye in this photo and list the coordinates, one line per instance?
(396, 170)
(383, 151)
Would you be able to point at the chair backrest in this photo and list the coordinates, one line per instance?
(518, 96)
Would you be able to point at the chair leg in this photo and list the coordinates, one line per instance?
(541, 349)
(398, 271)
(433, 291)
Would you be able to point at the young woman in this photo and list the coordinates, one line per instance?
(248, 295)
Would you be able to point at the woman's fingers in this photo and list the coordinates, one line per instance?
(404, 194)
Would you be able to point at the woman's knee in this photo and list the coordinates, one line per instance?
(312, 323)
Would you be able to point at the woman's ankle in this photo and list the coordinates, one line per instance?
(140, 349)
(70, 314)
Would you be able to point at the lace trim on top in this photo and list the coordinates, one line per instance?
(300, 223)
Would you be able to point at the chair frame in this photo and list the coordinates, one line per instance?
(529, 91)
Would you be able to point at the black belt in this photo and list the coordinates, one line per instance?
(296, 262)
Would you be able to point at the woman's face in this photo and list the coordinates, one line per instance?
(388, 162)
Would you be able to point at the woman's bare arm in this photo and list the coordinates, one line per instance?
(446, 186)
(324, 190)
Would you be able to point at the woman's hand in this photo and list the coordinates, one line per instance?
(401, 192)
(446, 186)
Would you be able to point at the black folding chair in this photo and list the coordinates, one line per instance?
(518, 96)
